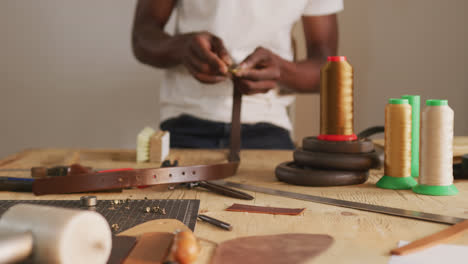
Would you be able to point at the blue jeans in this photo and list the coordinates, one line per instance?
(191, 132)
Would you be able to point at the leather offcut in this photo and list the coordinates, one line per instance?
(272, 249)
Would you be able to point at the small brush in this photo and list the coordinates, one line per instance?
(143, 144)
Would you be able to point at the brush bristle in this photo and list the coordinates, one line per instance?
(143, 144)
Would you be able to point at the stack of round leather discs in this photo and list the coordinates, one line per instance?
(336, 156)
(329, 163)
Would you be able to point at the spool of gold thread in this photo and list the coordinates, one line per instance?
(397, 164)
(436, 174)
(336, 100)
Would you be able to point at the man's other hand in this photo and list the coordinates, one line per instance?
(259, 72)
(206, 58)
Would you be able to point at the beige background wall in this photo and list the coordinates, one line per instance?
(68, 78)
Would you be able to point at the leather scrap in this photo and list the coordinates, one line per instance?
(264, 209)
(121, 247)
(152, 248)
(272, 249)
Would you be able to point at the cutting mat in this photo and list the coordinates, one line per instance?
(127, 213)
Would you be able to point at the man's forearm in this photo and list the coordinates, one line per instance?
(153, 46)
(321, 35)
(302, 76)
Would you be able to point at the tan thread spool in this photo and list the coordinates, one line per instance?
(436, 145)
(398, 139)
(336, 100)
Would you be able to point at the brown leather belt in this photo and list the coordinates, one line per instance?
(89, 182)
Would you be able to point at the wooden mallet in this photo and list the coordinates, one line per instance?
(53, 235)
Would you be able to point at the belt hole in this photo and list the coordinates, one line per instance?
(183, 173)
(170, 174)
(154, 176)
(194, 172)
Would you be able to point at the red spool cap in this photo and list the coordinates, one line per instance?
(336, 58)
(337, 137)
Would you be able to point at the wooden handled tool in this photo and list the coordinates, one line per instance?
(184, 249)
(54, 235)
(433, 239)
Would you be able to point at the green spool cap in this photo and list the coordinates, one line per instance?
(396, 183)
(415, 102)
(398, 101)
(435, 102)
(435, 190)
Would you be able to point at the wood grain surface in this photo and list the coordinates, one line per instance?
(360, 237)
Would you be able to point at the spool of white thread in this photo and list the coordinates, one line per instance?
(436, 171)
(61, 235)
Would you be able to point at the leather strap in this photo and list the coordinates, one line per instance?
(235, 140)
(89, 182)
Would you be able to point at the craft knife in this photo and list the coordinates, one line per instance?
(14, 184)
(436, 218)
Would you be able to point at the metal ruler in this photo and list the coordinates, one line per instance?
(127, 214)
(443, 219)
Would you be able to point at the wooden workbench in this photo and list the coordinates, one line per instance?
(360, 237)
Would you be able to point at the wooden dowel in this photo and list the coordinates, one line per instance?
(433, 239)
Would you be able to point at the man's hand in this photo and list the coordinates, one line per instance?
(259, 72)
(205, 57)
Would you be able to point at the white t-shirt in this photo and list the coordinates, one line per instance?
(243, 25)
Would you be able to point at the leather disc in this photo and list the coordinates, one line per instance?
(292, 173)
(337, 161)
(355, 146)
